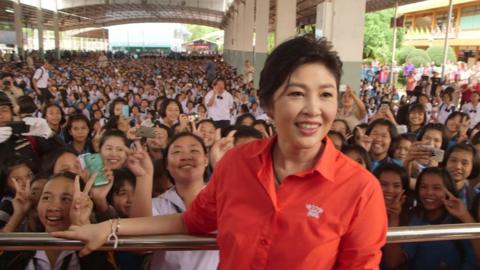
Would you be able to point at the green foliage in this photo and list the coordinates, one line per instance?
(403, 53)
(418, 57)
(378, 36)
(198, 31)
(436, 54)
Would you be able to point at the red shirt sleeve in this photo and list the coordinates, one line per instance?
(360, 247)
(201, 216)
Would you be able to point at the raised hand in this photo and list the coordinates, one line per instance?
(456, 207)
(99, 193)
(82, 205)
(220, 147)
(365, 141)
(394, 208)
(139, 162)
(21, 202)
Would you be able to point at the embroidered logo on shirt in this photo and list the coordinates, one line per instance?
(314, 211)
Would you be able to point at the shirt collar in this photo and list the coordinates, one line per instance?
(325, 165)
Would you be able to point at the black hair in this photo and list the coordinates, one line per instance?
(73, 118)
(113, 133)
(347, 130)
(47, 106)
(402, 137)
(434, 126)
(467, 148)
(246, 132)
(347, 148)
(399, 170)
(120, 176)
(457, 113)
(69, 175)
(163, 107)
(290, 55)
(7, 168)
(174, 139)
(206, 121)
(243, 117)
(475, 139)
(333, 133)
(392, 129)
(417, 107)
(26, 105)
(264, 124)
(49, 160)
(111, 109)
(443, 173)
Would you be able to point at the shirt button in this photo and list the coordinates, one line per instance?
(264, 241)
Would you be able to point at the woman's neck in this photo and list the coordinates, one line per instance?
(79, 145)
(52, 256)
(54, 127)
(288, 160)
(414, 128)
(189, 191)
(434, 215)
(378, 157)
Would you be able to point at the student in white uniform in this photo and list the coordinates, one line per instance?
(472, 108)
(186, 162)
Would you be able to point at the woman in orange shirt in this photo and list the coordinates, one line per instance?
(291, 201)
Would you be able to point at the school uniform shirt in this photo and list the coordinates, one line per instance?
(473, 112)
(329, 216)
(443, 112)
(171, 203)
(220, 110)
(40, 261)
(439, 254)
(41, 75)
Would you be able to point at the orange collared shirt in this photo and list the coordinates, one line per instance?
(329, 217)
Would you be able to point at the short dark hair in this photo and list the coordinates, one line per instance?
(26, 104)
(62, 113)
(347, 148)
(244, 116)
(434, 126)
(392, 129)
(290, 55)
(120, 176)
(113, 133)
(392, 167)
(443, 173)
(77, 117)
(163, 107)
(468, 148)
(246, 132)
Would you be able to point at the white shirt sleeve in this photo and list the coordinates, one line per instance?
(38, 74)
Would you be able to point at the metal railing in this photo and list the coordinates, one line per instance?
(33, 241)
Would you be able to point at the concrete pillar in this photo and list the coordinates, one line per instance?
(286, 20)
(18, 27)
(261, 37)
(248, 29)
(240, 38)
(344, 23)
(40, 27)
(56, 30)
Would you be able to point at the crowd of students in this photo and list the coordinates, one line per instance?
(158, 126)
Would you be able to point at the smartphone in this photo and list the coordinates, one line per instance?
(94, 164)
(193, 117)
(384, 106)
(145, 132)
(437, 154)
(126, 111)
(343, 88)
(19, 127)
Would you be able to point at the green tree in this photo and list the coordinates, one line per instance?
(403, 53)
(436, 54)
(418, 57)
(378, 36)
(198, 31)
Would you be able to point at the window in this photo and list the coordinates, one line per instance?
(470, 18)
(408, 23)
(424, 22)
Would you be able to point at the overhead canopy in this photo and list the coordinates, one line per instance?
(74, 14)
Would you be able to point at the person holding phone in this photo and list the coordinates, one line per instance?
(351, 108)
(309, 206)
